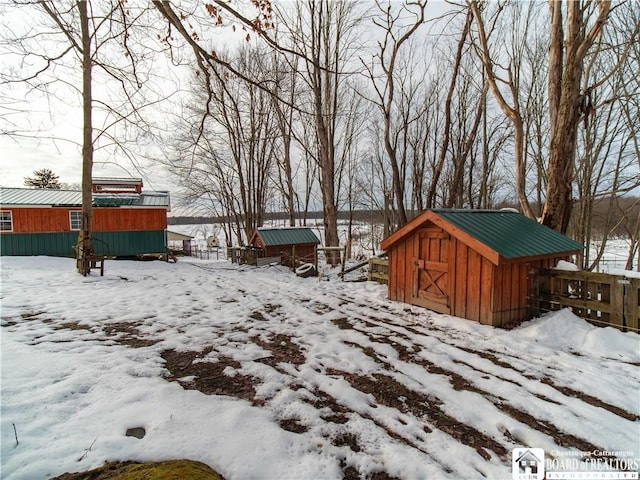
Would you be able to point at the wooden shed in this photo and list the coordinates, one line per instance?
(179, 242)
(474, 264)
(126, 220)
(287, 242)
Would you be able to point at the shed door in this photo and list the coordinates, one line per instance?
(431, 270)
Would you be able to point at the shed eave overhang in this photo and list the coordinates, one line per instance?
(533, 258)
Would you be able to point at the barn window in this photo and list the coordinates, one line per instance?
(75, 219)
(6, 221)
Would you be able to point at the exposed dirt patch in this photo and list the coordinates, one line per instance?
(350, 473)
(258, 316)
(368, 351)
(209, 377)
(347, 439)
(292, 425)
(596, 402)
(28, 316)
(73, 326)
(127, 334)
(390, 392)
(32, 315)
(561, 438)
(283, 350)
(271, 307)
(336, 413)
(449, 425)
(342, 323)
(488, 356)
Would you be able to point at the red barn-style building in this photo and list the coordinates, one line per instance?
(127, 220)
(473, 264)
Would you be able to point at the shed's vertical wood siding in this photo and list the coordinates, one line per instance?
(472, 283)
(486, 292)
(460, 280)
(474, 293)
(400, 260)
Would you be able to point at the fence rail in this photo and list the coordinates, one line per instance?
(600, 298)
(378, 270)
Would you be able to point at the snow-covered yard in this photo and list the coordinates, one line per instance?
(263, 375)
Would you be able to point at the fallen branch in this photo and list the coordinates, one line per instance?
(87, 450)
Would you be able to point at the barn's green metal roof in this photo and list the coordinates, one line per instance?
(287, 236)
(73, 198)
(509, 233)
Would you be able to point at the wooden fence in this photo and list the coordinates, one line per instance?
(600, 298)
(378, 270)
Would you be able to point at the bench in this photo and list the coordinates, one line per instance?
(97, 261)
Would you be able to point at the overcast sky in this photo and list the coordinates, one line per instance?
(45, 131)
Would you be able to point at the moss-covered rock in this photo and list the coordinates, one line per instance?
(169, 470)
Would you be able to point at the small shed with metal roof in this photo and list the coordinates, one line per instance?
(286, 242)
(474, 264)
(127, 221)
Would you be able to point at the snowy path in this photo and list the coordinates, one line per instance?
(264, 375)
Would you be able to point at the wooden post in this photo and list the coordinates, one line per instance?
(315, 257)
(631, 309)
(293, 258)
(617, 302)
(534, 293)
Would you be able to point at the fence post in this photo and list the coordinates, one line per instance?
(617, 300)
(631, 309)
(534, 293)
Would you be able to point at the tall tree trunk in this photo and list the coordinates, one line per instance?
(566, 57)
(444, 147)
(84, 241)
(512, 112)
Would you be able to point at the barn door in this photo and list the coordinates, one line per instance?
(431, 270)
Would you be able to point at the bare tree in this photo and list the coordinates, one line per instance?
(84, 36)
(231, 141)
(572, 37)
(511, 109)
(397, 31)
(321, 34)
(284, 83)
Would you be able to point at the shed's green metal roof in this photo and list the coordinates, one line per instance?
(287, 236)
(508, 233)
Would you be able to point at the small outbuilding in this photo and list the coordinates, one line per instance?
(288, 243)
(179, 242)
(474, 264)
